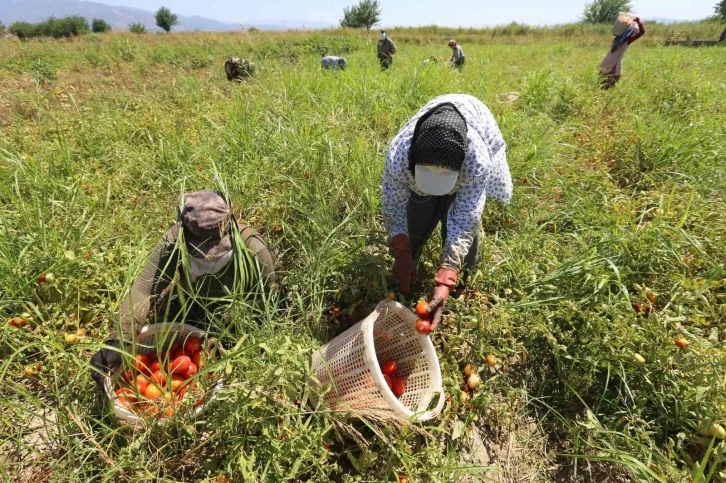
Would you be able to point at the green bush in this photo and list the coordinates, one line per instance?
(2, 28)
(100, 26)
(71, 26)
(23, 30)
(137, 28)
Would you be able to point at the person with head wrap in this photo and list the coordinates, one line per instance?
(386, 49)
(441, 167)
(331, 62)
(612, 65)
(458, 58)
(194, 273)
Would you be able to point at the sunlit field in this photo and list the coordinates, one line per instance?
(614, 246)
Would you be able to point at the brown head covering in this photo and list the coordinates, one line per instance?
(206, 217)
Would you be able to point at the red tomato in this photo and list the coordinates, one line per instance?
(193, 344)
(420, 309)
(122, 400)
(154, 367)
(128, 375)
(389, 367)
(142, 363)
(158, 378)
(198, 359)
(388, 381)
(682, 343)
(180, 365)
(177, 382)
(151, 356)
(398, 386)
(153, 392)
(192, 370)
(141, 383)
(174, 347)
(125, 393)
(423, 327)
(168, 412)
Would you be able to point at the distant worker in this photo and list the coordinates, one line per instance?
(440, 168)
(333, 63)
(238, 69)
(458, 58)
(627, 30)
(202, 263)
(386, 49)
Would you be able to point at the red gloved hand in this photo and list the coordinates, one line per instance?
(403, 268)
(445, 282)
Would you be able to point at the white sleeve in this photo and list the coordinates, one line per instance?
(396, 191)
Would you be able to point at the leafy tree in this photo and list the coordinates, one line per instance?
(720, 9)
(165, 20)
(23, 30)
(366, 14)
(137, 28)
(605, 11)
(100, 26)
(2, 28)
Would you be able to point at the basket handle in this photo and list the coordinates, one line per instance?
(435, 411)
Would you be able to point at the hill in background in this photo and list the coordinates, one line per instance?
(120, 17)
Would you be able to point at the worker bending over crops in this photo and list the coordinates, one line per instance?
(333, 63)
(611, 67)
(458, 58)
(441, 167)
(386, 49)
(193, 274)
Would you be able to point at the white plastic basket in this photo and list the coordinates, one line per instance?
(147, 340)
(350, 366)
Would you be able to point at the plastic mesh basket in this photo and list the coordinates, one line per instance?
(350, 366)
(149, 339)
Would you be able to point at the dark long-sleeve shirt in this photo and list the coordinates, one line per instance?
(164, 289)
(641, 31)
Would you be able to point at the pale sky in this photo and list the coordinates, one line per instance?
(458, 13)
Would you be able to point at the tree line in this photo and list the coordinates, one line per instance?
(75, 25)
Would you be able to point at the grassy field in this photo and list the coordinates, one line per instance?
(619, 200)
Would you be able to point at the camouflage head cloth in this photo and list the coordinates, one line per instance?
(238, 68)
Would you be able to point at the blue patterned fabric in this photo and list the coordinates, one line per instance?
(619, 41)
(485, 173)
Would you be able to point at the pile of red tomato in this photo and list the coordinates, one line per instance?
(396, 384)
(157, 383)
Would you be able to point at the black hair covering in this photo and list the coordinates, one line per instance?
(439, 139)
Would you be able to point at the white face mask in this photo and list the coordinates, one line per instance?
(202, 266)
(383, 36)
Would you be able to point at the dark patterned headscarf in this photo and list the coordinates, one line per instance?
(439, 139)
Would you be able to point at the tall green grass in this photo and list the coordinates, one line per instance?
(619, 195)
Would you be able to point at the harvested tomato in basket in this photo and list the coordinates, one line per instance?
(395, 384)
(157, 384)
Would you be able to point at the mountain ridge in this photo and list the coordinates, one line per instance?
(120, 16)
